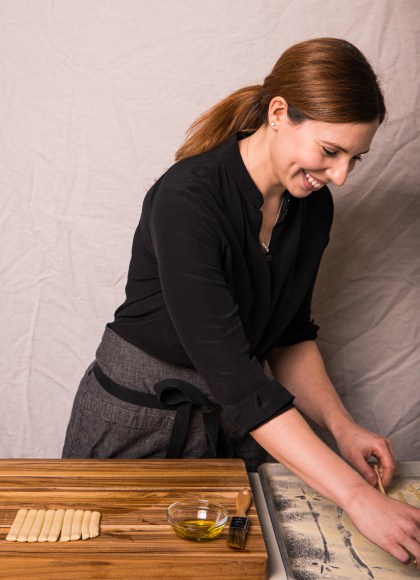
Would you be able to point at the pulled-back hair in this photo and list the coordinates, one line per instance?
(323, 79)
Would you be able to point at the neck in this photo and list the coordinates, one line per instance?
(254, 151)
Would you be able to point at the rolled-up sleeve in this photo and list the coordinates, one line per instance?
(188, 243)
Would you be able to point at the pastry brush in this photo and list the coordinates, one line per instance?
(239, 523)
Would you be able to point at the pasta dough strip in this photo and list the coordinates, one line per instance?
(415, 491)
(17, 525)
(381, 487)
(37, 526)
(46, 527)
(76, 525)
(66, 527)
(56, 526)
(31, 525)
(27, 525)
(94, 524)
(85, 524)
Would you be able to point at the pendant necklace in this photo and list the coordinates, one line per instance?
(265, 246)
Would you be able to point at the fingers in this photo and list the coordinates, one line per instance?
(410, 542)
(387, 467)
(360, 462)
(358, 444)
(413, 550)
(400, 554)
(368, 473)
(392, 525)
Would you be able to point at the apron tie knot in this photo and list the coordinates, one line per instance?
(179, 396)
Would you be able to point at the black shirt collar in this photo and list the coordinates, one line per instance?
(233, 159)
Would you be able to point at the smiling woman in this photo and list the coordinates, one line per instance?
(295, 157)
(223, 267)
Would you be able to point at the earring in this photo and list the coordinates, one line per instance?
(273, 124)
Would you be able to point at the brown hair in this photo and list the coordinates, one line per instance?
(323, 79)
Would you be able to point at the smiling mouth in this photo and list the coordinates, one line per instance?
(313, 183)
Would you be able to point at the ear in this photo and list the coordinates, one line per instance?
(277, 110)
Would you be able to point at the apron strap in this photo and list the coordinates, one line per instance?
(181, 396)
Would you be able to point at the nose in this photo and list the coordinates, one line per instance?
(338, 172)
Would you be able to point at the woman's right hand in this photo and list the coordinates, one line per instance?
(392, 525)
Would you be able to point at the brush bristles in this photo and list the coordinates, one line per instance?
(237, 532)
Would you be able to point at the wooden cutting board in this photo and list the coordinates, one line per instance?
(135, 539)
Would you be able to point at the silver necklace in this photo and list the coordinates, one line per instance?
(265, 246)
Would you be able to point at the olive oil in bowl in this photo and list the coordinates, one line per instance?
(197, 520)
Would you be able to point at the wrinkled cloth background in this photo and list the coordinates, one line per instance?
(95, 98)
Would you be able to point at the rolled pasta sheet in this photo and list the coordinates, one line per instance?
(37, 526)
(27, 525)
(94, 524)
(46, 526)
(17, 525)
(56, 526)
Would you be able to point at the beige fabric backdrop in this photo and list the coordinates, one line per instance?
(95, 97)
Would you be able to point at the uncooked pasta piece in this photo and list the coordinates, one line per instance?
(415, 491)
(85, 524)
(76, 526)
(94, 524)
(27, 525)
(66, 527)
(380, 485)
(37, 526)
(17, 525)
(46, 526)
(56, 526)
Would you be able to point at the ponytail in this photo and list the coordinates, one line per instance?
(323, 79)
(240, 111)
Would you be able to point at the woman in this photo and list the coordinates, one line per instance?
(223, 266)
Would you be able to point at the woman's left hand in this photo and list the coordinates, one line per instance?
(357, 445)
(291, 366)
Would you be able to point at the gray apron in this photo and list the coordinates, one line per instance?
(132, 405)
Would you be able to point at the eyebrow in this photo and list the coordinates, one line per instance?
(342, 148)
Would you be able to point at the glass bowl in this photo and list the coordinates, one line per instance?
(199, 520)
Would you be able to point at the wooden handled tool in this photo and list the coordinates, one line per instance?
(239, 524)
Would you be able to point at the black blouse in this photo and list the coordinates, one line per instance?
(201, 291)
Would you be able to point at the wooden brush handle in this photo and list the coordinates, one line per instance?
(243, 501)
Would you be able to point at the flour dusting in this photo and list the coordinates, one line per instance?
(320, 538)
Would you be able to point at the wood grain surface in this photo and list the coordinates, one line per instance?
(135, 539)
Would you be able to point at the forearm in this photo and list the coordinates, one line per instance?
(301, 370)
(290, 440)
